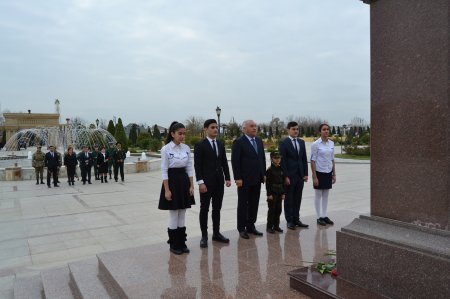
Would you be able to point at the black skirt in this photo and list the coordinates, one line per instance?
(325, 180)
(179, 186)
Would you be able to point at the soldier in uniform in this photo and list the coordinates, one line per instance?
(119, 158)
(38, 164)
(95, 153)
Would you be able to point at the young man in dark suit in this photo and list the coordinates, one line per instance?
(85, 159)
(211, 172)
(295, 168)
(249, 166)
(52, 163)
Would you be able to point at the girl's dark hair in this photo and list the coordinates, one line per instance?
(322, 125)
(174, 126)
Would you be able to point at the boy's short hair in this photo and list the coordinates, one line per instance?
(208, 122)
(291, 124)
(275, 154)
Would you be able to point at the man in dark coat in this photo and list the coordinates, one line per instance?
(85, 159)
(119, 160)
(295, 168)
(212, 173)
(249, 166)
(52, 163)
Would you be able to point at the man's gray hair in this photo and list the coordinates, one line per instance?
(246, 122)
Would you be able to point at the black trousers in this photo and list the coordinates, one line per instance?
(293, 201)
(214, 194)
(273, 215)
(247, 210)
(52, 172)
(118, 166)
(86, 172)
(70, 173)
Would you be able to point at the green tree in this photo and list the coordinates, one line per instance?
(2, 144)
(120, 135)
(149, 131)
(133, 134)
(111, 129)
(156, 132)
(143, 140)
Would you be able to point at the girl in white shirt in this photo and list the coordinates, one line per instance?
(177, 191)
(323, 172)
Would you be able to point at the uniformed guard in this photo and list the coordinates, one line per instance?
(38, 164)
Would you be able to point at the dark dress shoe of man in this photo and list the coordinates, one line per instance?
(84, 183)
(291, 226)
(220, 238)
(204, 242)
(255, 232)
(278, 229)
(300, 224)
(244, 235)
(56, 185)
(89, 182)
(270, 230)
(322, 222)
(49, 186)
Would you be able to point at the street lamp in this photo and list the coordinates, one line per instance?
(97, 121)
(218, 111)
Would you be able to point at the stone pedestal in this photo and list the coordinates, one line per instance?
(141, 166)
(403, 250)
(13, 173)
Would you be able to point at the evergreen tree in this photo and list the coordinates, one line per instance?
(339, 131)
(120, 135)
(270, 132)
(333, 131)
(156, 132)
(133, 134)
(3, 142)
(111, 129)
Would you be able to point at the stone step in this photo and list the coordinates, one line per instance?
(57, 283)
(88, 282)
(29, 287)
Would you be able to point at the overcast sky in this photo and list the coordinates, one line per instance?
(156, 61)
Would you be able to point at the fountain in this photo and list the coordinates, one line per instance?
(143, 156)
(30, 155)
(128, 154)
(60, 137)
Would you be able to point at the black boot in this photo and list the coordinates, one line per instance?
(173, 241)
(102, 179)
(106, 179)
(37, 182)
(182, 239)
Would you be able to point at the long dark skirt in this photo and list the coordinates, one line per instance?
(325, 180)
(179, 186)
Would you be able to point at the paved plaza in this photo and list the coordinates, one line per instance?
(43, 228)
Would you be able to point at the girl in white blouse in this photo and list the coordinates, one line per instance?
(323, 172)
(177, 191)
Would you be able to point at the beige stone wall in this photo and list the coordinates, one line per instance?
(15, 122)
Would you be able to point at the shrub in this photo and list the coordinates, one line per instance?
(357, 150)
(192, 140)
(155, 145)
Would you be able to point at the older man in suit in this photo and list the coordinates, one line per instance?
(52, 163)
(249, 162)
(86, 161)
(295, 168)
(212, 173)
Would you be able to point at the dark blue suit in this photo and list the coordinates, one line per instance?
(295, 167)
(52, 164)
(250, 167)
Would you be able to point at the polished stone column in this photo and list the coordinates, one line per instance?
(403, 249)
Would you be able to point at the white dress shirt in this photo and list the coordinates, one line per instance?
(175, 156)
(323, 154)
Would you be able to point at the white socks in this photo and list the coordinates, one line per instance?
(321, 202)
(176, 218)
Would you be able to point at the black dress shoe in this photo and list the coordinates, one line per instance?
(322, 222)
(56, 185)
(49, 186)
(328, 220)
(255, 232)
(89, 183)
(220, 238)
(270, 230)
(278, 229)
(244, 235)
(84, 183)
(291, 226)
(204, 242)
(300, 224)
